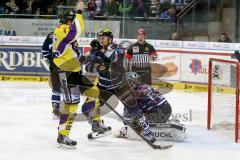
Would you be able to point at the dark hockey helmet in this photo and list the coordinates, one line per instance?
(106, 32)
(133, 79)
(69, 15)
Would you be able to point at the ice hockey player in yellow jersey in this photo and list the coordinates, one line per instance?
(66, 59)
(65, 34)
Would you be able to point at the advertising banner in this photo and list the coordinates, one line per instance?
(194, 67)
(236, 46)
(168, 44)
(195, 45)
(221, 46)
(41, 27)
(166, 67)
(22, 61)
(21, 55)
(25, 61)
(22, 40)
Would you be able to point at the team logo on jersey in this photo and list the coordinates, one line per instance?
(65, 30)
(135, 49)
(146, 49)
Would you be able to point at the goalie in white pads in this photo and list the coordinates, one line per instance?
(156, 109)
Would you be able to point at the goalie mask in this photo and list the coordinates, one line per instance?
(133, 79)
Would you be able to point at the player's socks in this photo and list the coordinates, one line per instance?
(56, 104)
(56, 110)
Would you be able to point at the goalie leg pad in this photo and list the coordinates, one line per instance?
(169, 131)
(160, 114)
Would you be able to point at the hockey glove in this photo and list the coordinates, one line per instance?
(95, 45)
(136, 124)
(82, 59)
(79, 11)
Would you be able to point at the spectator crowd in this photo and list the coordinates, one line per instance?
(164, 9)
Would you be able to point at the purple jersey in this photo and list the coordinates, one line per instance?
(148, 98)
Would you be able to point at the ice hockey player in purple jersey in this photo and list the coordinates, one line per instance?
(154, 106)
(152, 101)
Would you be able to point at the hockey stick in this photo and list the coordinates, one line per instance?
(154, 146)
(237, 55)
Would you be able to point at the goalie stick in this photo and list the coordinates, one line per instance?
(154, 146)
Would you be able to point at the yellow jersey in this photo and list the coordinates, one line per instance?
(63, 41)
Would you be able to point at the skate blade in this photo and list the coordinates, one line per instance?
(64, 146)
(96, 135)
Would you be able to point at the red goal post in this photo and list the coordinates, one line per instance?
(223, 95)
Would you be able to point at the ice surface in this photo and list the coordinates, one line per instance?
(28, 132)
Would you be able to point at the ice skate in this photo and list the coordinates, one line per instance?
(99, 129)
(65, 142)
(102, 125)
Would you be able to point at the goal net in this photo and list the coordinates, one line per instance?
(223, 96)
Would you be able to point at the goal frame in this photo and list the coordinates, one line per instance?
(211, 60)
